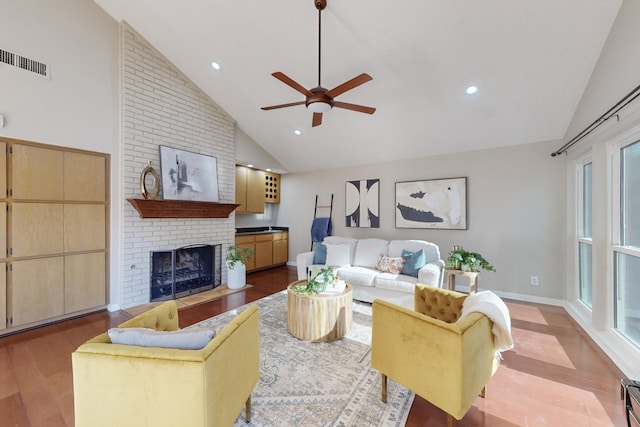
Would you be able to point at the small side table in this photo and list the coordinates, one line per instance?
(451, 275)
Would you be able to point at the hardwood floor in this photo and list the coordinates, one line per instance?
(555, 376)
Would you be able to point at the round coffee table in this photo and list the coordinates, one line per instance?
(319, 317)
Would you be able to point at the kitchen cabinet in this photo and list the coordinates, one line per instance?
(247, 242)
(271, 187)
(271, 249)
(250, 187)
(280, 248)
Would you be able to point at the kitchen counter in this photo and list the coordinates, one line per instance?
(260, 230)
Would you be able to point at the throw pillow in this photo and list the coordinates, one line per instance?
(414, 261)
(320, 254)
(390, 264)
(184, 339)
(338, 255)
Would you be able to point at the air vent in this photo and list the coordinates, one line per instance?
(24, 63)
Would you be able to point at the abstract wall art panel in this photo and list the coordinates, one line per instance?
(188, 176)
(362, 204)
(434, 203)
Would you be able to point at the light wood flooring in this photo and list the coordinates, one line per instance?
(555, 376)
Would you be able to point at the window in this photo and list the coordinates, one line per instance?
(626, 253)
(585, 233)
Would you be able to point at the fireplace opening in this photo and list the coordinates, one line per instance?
(184, 271)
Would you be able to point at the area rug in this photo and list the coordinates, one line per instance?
(317, 384)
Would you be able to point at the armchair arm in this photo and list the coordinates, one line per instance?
(303, 261)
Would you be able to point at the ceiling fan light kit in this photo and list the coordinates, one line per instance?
(320, 100)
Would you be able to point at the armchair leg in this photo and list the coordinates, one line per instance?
(449, 420)
(384, 388)
(247, 409)
(483, 392)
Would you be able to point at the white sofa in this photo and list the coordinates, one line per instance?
(355, 261)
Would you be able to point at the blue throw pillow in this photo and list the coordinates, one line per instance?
(413, 261)
(320, 254)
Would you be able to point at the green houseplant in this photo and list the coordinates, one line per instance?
(461, 259)
(316, 283)
(236, 270)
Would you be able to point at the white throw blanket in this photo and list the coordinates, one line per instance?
(490, 304)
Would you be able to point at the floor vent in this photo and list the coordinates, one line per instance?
(24, 63)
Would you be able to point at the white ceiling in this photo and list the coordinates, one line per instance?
(530, 59)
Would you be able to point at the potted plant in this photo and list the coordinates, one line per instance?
(236, 269)
(461, 259)
(316, 283)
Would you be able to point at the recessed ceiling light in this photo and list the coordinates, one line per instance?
(250, 165)
(297, 131)
(268, 169)
(215, 66)
(471, 90)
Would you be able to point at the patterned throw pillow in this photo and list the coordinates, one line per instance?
(390, 264)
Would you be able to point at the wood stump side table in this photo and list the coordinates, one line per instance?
(451, 275)
(319, 317)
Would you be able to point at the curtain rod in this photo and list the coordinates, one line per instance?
(611, 112)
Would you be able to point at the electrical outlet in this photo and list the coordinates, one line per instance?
(533, 281)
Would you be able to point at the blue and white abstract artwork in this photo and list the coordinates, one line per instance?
(434, 203)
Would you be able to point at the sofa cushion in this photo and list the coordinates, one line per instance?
(358, 275)
(338, 240)
(395, 282)
(368, 252)
(431, 251)
(320, 254)
(389, 264)
(338, 255)
(413, 261)
(185, 339)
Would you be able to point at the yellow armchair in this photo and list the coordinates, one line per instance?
(446, 361)
(126, 385)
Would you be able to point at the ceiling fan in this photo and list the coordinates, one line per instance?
(320, 100)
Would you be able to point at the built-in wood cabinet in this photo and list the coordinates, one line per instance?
(271, 249)
(54, 238)
(280, 248)
(249, 190)
(271, 187)
(247, 242)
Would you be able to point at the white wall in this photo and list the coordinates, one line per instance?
(78, 107)
(515, 212)
(616, 74)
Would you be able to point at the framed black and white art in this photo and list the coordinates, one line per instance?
(362, 203)
(188, 176)
(433, 203)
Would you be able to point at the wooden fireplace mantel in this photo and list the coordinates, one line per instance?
(153, 208)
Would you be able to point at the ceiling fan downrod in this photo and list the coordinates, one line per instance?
(320, 5)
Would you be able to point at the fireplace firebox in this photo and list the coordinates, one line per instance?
(184, 271)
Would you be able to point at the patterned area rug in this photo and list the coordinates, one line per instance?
(317, 384)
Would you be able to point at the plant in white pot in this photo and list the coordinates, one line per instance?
(236, 269)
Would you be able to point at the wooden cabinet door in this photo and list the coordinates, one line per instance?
(84, 177)
(84, 227)
(241, 189)
(84, 279)
(247, 242)
(271, 187)
(3, 170)
(36, 229)
(3, 230)
(280, 248)
(37, 289)
(37, 173)
(264, 250)
(3, 295)
(255, 191)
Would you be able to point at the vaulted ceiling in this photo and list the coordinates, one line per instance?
(531, 62)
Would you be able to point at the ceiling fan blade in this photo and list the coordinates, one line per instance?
(354, 82)
(290, 82)
(317, 119)
(354, 107)
(291, 104)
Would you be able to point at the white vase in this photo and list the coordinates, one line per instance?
(236, 276)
